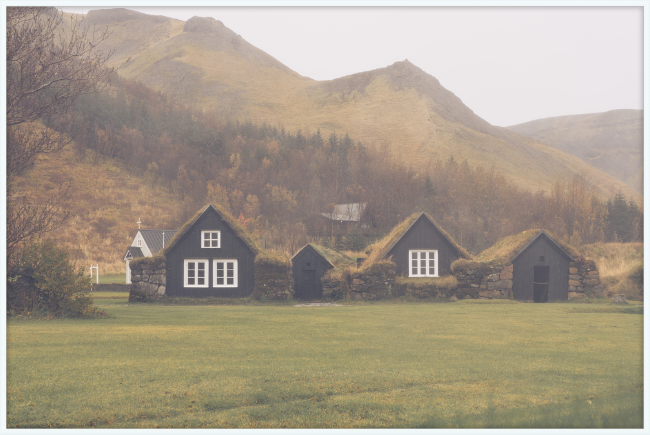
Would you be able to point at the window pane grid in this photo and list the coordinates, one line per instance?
(196, 273)
(211, 239)
(225, 273)
(423, 264)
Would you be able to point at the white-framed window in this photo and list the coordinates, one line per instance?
(196, 273)
(139, 243)
(423, 263)
(224, 273)
(211, 239)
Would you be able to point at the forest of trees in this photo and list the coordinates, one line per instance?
(276, 181)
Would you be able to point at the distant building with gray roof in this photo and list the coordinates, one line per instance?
(146, 243)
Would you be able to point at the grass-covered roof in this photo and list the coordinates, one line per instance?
(506, 248)
(379, 249)
(227, 217)
(262, 256)
(335, 258)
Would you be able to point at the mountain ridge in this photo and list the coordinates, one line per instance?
(611, 141)
(204, 64)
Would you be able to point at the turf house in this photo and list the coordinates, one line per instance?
(419, 248)
(308, 267)
(146, 243)
(541, 270)
(413, 259)
(212, 255)
(209, 257)
(530, 266)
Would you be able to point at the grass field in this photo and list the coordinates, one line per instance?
(116, 278)
(102, 299)
(465, 364)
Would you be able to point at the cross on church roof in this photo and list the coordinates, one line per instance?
(139, 223)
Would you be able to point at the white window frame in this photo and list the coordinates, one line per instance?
(215, 272)
(423, 255)
(139, 243)
(186, 277)
(211, 232)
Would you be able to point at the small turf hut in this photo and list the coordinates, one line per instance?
(310, 264)
(540, 263)
(418, 247)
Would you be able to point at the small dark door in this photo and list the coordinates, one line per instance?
(308, 286)
(540, 283)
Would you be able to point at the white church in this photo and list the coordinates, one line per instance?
(146, 243)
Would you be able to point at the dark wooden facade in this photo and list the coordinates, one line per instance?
(541, 271)
(423, 234)
(308, 268)
(188, 246)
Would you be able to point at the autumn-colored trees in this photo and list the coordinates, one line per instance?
(278, 182)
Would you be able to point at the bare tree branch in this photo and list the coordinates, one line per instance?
(50, 63)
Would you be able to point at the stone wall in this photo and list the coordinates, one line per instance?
(483, 281)
(373, 283)
(584, 280)
(474, 281)
(151, 282)
(273, 282)
(333, 288)
(424, 288)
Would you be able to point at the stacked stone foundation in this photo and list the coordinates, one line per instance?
(374, 283)
(334, 288)
(584, 280)
(151, 282)
(483, 281)
(273, 282)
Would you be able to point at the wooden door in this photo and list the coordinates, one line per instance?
(541, 279)
(310, 285)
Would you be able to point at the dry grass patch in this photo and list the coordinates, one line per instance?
(505, 248)
(620, 266)
(105, 205)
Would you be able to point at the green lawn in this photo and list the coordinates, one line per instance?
(116, 278)
(102, 299)
(369, 365)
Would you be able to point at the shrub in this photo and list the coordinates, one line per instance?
(45, 281)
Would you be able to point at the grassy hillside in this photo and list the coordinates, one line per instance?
(610, 141)
(204, 64)
(106, 202)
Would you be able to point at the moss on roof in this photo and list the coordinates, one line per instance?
(504, 249)
(268, 258)
(337, 259)
(262, 257)
(227, 217)
(378, 250)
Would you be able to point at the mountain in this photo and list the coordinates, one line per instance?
(204, 64)
(610, 141)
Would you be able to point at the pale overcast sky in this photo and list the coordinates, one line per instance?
(508, 64)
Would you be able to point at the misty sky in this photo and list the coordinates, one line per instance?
(508, 64)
